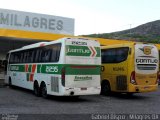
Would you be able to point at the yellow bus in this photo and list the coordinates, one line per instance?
(129, 68)
(158, 47)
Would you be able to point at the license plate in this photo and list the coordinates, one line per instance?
(83, 88)
(146, 87)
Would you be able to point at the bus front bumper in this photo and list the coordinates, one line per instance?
(143, 88)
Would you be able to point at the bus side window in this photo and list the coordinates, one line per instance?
(43, 55)
(11, 60)
(27, 57)
(58, 52)
(39, 57)
(30, 56)
(33, 56)
(48, 55)
(108, 56)
(122, 54)
(53, 56)
(36, 55)
(115, 55)
(21, 56)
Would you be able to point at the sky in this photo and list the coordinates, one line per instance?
(93, 16)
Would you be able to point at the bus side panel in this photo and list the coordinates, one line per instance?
(115, 67)
(112, 72)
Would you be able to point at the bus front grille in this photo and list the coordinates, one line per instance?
(54, 84)
(146, 66)
(121, 82)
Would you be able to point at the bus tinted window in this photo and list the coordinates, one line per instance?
(114, 55)
(48, 53)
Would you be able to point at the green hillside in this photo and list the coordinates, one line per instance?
(149, 32)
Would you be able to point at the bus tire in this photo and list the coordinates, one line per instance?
(105, 88)
(36, 89)
(10, 82)
(130, 94)
(43, 90)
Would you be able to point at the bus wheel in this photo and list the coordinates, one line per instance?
(10, 83)
(43, 90)
(105, 88)
(36, 89)
(129, 94)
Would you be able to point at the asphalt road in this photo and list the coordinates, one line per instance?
(20, 101)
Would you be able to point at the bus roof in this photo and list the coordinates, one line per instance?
(40, 44)
(124, 44)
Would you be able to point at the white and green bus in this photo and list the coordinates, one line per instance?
(65, 67)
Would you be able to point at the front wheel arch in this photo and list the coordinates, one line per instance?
(105, 87)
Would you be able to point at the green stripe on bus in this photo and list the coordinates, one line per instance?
(30, 68)
(77, 70)
(49, 68)
(57, 68)
(18, 68)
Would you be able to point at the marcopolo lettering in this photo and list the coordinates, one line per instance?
(146, 61)
(31, 22)
(79, 78)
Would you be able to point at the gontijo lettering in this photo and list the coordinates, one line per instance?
(73, 50)
(146, 61)
(78, 51)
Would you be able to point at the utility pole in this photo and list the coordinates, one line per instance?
(130, 30)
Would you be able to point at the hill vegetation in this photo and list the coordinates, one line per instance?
(149, 32)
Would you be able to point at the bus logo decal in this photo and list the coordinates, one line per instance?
(146, 50)
(89, 51)
(93, 52)
(26, 68)
(31, 69)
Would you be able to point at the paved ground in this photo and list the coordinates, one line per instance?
(20, 101)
